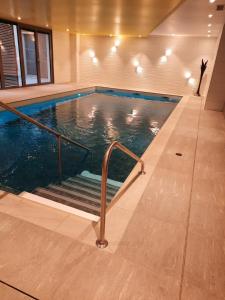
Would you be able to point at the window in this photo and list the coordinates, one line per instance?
(25, 55)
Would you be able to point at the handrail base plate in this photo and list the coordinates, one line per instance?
(101, 244)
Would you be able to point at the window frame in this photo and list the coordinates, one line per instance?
(36, 29)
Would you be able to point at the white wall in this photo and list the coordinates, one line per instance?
(62, 56)
(216, 95)
(117, 70)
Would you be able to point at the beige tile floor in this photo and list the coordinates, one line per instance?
(172, 241)
(20, 94)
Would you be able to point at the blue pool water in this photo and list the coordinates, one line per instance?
(29, 154)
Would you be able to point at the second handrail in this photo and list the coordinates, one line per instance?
(102, 242)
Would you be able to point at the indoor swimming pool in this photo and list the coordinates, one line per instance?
(94, 119)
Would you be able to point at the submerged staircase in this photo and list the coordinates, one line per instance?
(80, 192)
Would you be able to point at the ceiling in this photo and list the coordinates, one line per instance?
(191, 18)
(100, 17)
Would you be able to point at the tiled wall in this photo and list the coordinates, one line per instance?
(117, 69)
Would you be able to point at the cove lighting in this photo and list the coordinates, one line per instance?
(187, 75)
(139, 69)
(117, 42)
(114, 49)
(136, 63)
(95, 60)
(163, 59)
(91, 53)
(191, 81)
(169, 52)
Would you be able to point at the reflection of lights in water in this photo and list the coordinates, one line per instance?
(154, 127)
(133, 113)
(91, 115)
(112, 133)
(130, 117)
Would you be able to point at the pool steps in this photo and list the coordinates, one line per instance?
(80, 193)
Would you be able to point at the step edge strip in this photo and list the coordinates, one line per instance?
(65, 198)
(59, 206)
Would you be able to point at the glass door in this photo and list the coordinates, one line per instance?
(44, 60)
(29, 57)
(25, 55)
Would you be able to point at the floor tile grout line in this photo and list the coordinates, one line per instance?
(18, 290)
(189, 207)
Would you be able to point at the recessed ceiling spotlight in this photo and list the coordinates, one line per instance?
(139, 35)
(212, 1)
(209, 31)
(209, 25)
(210, 16)
(209, 35)
(18, 18)
(67, 30)
(46, 25)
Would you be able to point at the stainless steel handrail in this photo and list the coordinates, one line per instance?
(102, 242)
(58, 135)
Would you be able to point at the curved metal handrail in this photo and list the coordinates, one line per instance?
(102, 242)
(58, 135)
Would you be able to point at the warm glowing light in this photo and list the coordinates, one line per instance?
(140, 36)
(209, 25)
(163, 59)
(209, 35)
(91, 53)
(46, 25)
(67, 30)
(139, 69)
(134, 112)
(110, 35)
(210, 16)
(114, 49)
(95, 60)
(136, 63)
(117, 42)
(173, 34)
(191, 81)
(168, 52)
(209, 31)
(212, 1)
(19, 18)
(187, 75)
